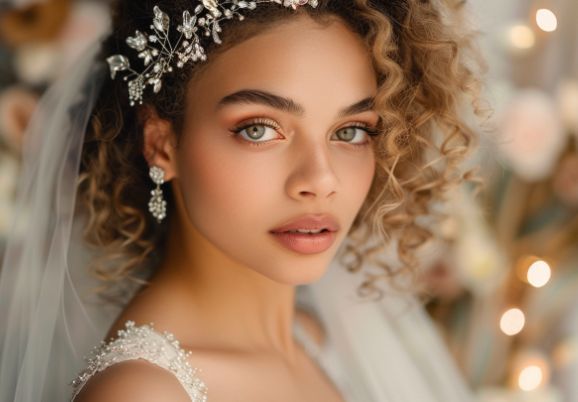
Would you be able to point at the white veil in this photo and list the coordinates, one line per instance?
(389, 353)
(46, 327)
(389, 350)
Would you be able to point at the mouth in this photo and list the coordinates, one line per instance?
(308, 234)
(306, 243)
(306, 231)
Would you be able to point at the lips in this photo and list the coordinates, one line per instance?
(307, 234)
(310, 223)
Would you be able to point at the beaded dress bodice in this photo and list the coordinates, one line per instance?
(162, 349)
(143, 342)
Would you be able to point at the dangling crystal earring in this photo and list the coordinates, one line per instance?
(157, 205)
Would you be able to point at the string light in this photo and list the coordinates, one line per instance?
(539, 273)
(512, 321)
(546, 20)
(530, 378)
(531, 371)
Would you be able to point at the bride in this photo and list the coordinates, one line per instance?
(236, 169)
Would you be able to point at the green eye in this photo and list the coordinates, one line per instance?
(347, 133)
(256, 131)
(355, 135)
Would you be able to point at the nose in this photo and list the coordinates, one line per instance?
(312, 176)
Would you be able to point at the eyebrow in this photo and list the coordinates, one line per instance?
(287, 104)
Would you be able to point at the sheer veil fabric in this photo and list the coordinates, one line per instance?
(44, 318)
(389, 350)
(387, 353)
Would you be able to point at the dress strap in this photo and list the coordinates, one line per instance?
(143, 342)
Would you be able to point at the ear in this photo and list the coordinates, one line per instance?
(159, 143)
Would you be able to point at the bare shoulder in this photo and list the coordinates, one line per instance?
(135, 380)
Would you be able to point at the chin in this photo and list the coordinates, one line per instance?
(294, 272)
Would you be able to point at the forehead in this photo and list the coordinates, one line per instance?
(299, 59)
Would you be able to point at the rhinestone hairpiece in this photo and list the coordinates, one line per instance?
(159, 54)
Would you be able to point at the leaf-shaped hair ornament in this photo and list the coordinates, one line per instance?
(161, 21)
(159, 54)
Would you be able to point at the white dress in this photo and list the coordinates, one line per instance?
(162, 349)
(387, 351)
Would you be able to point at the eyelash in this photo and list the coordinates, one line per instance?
(372, 132)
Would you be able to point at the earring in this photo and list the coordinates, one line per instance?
(157, 205)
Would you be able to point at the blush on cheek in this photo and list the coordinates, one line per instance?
(225, 190)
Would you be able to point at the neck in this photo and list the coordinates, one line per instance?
(235, 305)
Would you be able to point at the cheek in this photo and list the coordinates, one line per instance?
(228, 192)
(356, 174)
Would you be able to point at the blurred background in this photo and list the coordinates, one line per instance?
(502, 275)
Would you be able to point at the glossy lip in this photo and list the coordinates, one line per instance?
(304, 243)
(309, 222)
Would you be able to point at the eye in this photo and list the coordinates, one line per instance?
(356, 134)
(257, 131)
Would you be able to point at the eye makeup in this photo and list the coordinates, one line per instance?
(239, 131)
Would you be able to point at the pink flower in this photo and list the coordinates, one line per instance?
(532, 135)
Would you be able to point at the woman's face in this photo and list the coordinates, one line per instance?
(274, 131)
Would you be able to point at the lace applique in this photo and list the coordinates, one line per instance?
(143, 342)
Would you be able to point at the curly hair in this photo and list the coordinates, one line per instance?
(425, 65)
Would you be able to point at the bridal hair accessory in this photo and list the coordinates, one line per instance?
(158, 53)
(157, 205)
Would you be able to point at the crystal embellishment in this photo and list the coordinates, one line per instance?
(163, 349)
(159, 54)
(143, 342)
(157, 204)
(157, 175)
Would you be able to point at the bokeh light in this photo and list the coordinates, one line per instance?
(539, 273)
(521, 36)
(530, 378)
(565, 354)
(512, 321)
(546, 20)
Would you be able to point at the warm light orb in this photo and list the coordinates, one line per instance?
(539, 273)
(512, 321)
(566, 352)
(546, 20)
(530, 378)
(521, 36)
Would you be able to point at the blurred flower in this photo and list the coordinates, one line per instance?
(33, 21)
(40, 60)
(36, 64)
(16, 107)
(463, 254)
(533, 135)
